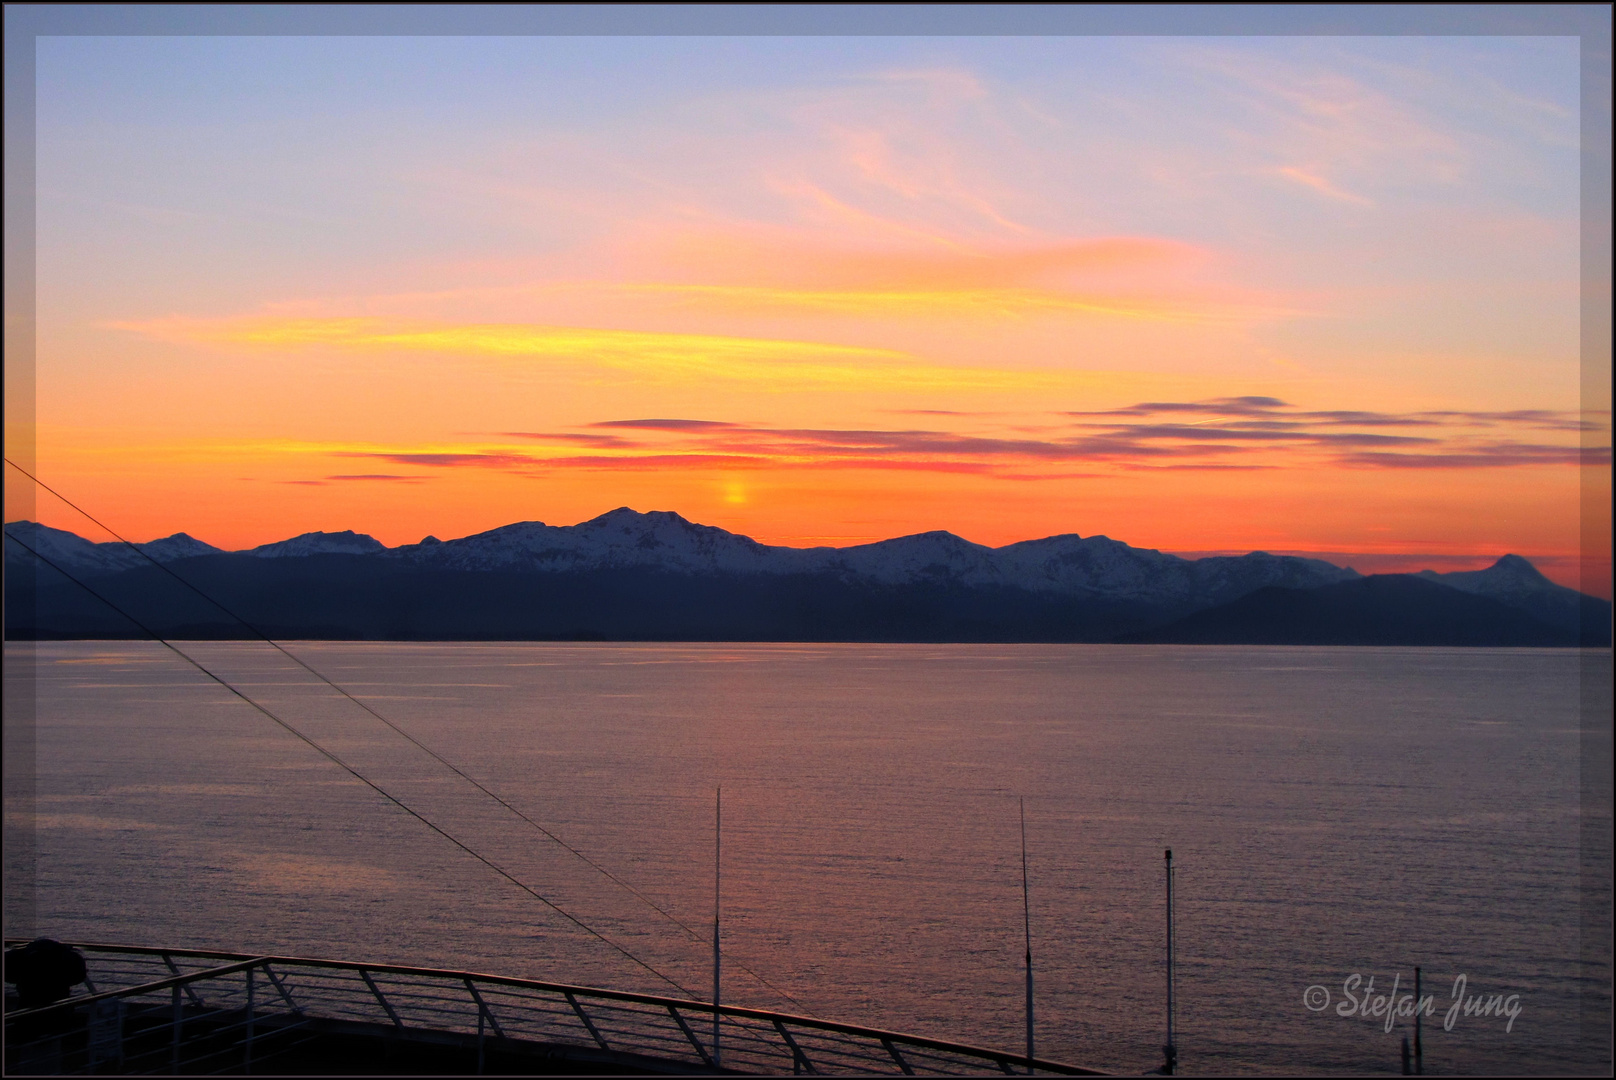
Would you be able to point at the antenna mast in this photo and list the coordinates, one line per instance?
(1170, 1050)
(718, 849)
(1026, 923)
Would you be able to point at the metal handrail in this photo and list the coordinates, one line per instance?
(881, 1043)
(133, 991)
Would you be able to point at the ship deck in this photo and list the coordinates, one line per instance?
(186, 1011)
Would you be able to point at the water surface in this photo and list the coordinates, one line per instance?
(1331, 811)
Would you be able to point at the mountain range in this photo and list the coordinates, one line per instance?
(656, 576)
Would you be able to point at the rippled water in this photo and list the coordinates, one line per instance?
(1331, 811)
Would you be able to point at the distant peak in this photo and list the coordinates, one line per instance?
(942, 535)
(1518, 565)
(625, 514)
(310, 543)
(178, 544)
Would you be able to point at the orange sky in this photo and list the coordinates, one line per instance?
(1196, 297)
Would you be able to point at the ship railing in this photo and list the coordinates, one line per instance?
(170, 1011)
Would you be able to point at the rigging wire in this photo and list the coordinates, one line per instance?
(693, 934)
(356, 774)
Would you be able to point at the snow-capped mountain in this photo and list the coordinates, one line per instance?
(1067, 565)
(346, 542)
(170, 548)
(1068, 571)
(621, 538)
(1100, 566)
(1509, 576)
(77, 555)
(1516, 582)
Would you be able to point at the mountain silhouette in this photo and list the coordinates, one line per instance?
(657, 576)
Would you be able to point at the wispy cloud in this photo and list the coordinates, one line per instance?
(1243, 433)
(442, 460)
(958, 302)
(642, 461)
(667, 425)
(1446, 439)
(1492, 456)
(679, 358)
(728, 268)
(568, 437)
(1321, 185)
(348, 477)
(720, 270)
(1269, 410)
(410, 479)
(504, 340)
(1325, 120)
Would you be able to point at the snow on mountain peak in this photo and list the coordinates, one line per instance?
(1518, 566)
(179, 546)
(346, 542)
(1066, 564)
(1510, 575)
(75, 554)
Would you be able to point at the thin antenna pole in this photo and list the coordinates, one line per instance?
(1170, 1050)
(1419, 1051)
(1026, 924)
(718, 850)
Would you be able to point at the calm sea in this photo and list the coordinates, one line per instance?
(1332, 812)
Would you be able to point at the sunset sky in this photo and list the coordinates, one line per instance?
(1309, 295)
